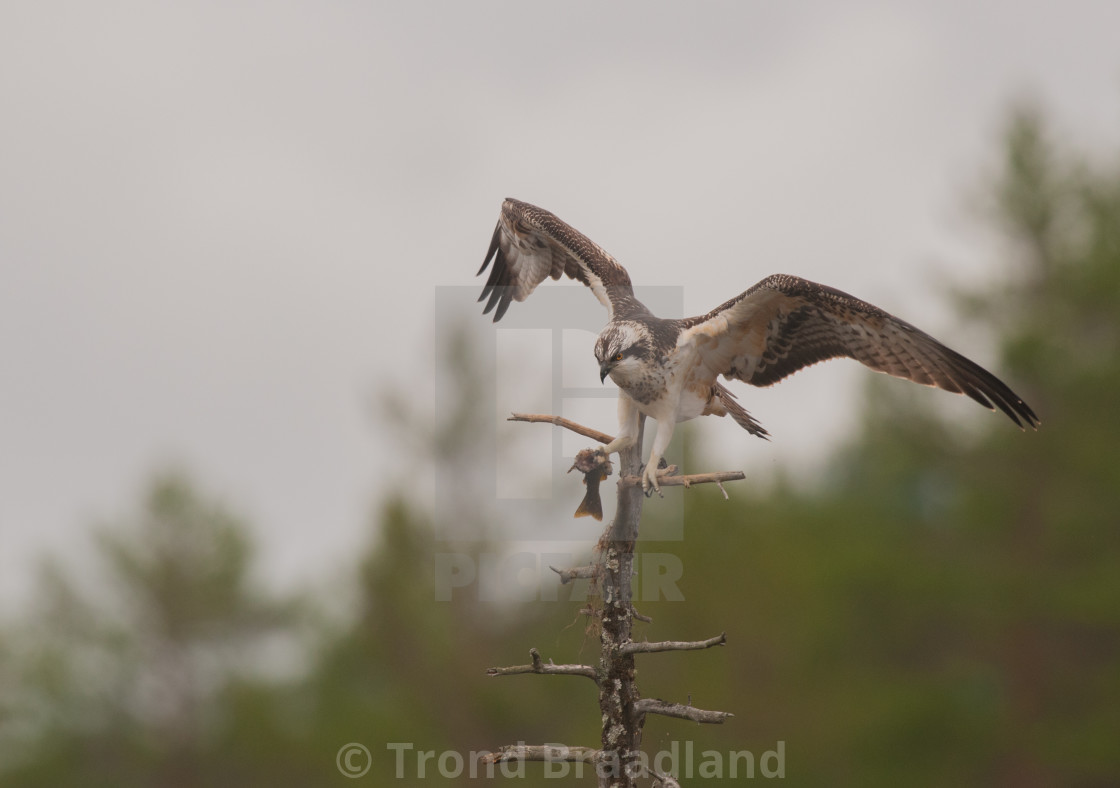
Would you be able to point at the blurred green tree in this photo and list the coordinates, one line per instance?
(944, 608)
(118, 682)
(410, 666)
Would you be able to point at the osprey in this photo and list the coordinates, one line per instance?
(668, 369)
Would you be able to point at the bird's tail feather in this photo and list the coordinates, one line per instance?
(739, 413)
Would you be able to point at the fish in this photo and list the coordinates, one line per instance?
(595, 468)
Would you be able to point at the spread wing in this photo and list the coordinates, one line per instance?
(530, 244)
(784, 323)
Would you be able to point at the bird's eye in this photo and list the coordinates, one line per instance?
(618, 357)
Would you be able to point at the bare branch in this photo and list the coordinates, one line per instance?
(680, 711)
(547, 670)
(665, 480)
(715, 477)
(672, 645)
(575, 573)
(560, 421)
(663, 780)
(551, 753)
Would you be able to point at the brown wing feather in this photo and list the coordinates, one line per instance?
(531, 244)
(785, 323)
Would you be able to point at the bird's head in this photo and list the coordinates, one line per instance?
(621, 350)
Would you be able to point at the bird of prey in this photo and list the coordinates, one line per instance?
(668, 369)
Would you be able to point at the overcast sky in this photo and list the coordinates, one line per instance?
(222, 223)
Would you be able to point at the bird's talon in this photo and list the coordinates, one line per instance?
(649, 480)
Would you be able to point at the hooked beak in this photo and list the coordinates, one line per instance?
(604, 370)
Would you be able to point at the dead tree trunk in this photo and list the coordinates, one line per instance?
(618, 689)
(618, 762)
